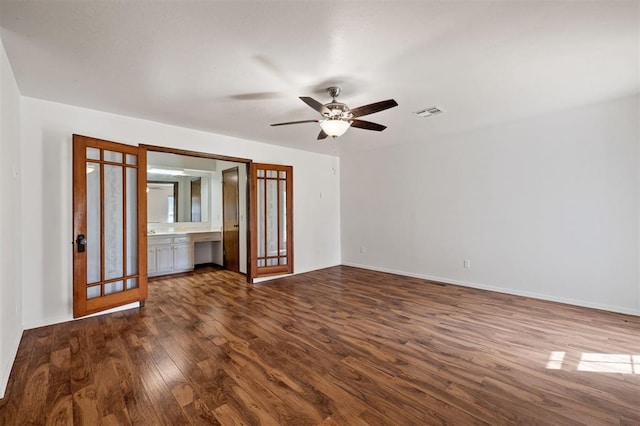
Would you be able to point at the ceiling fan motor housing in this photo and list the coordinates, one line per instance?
(337, 110)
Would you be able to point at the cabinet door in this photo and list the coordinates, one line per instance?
(164, 259)
(152, 264)
(183, 257)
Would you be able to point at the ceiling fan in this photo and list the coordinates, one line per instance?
(337, 117)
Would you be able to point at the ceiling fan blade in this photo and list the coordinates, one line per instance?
(295, 122)
(314, 104)
(362, 124)
(257, 96)
(375, 107)
(322, 135)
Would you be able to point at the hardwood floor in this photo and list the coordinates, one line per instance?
(340, 346)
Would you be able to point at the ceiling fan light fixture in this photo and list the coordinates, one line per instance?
(334, 127)
(337, 117)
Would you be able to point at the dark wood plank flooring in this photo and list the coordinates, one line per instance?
(340, 346)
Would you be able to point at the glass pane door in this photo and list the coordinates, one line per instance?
(107, 235)
(272, 226)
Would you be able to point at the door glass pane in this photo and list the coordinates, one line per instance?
(113, 221)
(93, 292)
(283, 260)
(272, 174)
(93, 154)
(132, 159)
(272, 262)
(93, 223)
(132, 221)
(261, 240)
(283, 175)
(272, 217)
(132, 283)
(283, 217)
(116, 157)
(113, 287)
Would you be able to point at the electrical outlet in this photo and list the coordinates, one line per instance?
(363, 249)
(467, 264)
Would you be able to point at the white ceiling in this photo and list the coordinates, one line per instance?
(235, 67)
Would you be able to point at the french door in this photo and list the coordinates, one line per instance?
(272, 220)
(109, 225)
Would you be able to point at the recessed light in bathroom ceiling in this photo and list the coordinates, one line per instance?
(170, 172)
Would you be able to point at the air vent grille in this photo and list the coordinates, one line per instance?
(428, 112)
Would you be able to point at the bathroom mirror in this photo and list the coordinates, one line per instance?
(176, 193)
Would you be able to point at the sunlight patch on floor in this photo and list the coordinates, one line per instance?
(597, 362)
(609, 363)
(555, 360)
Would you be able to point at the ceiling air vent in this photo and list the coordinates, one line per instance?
(428, 112)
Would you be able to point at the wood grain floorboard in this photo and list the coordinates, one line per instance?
(339, 346)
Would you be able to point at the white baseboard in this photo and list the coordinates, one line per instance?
(57, 320)
(297, 272)
(6, 369)
(514, 292)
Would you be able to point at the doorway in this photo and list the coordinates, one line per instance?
(221, 204)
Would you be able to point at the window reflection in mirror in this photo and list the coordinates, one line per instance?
(162, 201)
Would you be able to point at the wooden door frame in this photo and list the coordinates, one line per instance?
(191, 182)
(245, 161)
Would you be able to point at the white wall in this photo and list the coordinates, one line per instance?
(546, 207)
(10, 222)
(46, 133)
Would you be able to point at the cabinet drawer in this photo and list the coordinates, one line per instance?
(210, 236)
(155, 241)
(181, 240)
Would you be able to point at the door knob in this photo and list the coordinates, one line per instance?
(81, 241)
